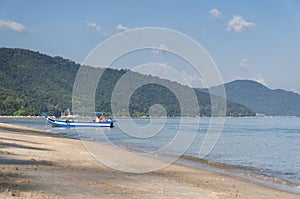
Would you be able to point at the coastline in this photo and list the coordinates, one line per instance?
(156, 117)
(240, 172)
(36, 164)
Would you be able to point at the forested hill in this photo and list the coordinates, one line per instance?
(32, 82)
(261, 99)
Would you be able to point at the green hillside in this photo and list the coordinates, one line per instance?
(32, 82)
(261, 99)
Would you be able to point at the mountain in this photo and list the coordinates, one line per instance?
(32, 82)
(261, 99)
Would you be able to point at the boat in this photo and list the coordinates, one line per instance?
(70, 123)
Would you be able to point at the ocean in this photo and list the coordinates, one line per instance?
(265, 150)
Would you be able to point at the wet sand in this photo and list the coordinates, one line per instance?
(37, 164)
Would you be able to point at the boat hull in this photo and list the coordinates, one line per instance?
(71, 124)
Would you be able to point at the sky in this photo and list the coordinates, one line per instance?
(257, 40)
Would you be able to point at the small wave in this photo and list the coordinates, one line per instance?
(213, 164)
(251, 174)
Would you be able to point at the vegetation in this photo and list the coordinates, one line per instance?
(263, 100)
(32, 82)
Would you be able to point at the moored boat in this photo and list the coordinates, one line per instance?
(69, 123)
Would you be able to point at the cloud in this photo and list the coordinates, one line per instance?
(12, 25)
(245, 64)
(215, 14)
(238, 24)
(194, 80)
(258, 78)
(122, 28)
(94, 26)
(97, 28)
(161, 47)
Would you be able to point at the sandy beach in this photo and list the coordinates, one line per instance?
(37, 164)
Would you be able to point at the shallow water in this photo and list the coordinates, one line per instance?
(266, 149)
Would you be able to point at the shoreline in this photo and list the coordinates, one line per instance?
(240, 172)
(35, 163)
(146, 117)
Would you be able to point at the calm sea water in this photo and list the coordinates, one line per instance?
(266, 149)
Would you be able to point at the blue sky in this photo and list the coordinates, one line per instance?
(256, 40)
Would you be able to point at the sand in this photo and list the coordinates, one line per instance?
(37, 164)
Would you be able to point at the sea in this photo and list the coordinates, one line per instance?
(264, 150)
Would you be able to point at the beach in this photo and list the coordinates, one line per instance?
(37, 164)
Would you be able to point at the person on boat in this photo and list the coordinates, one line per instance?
(101, 118)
